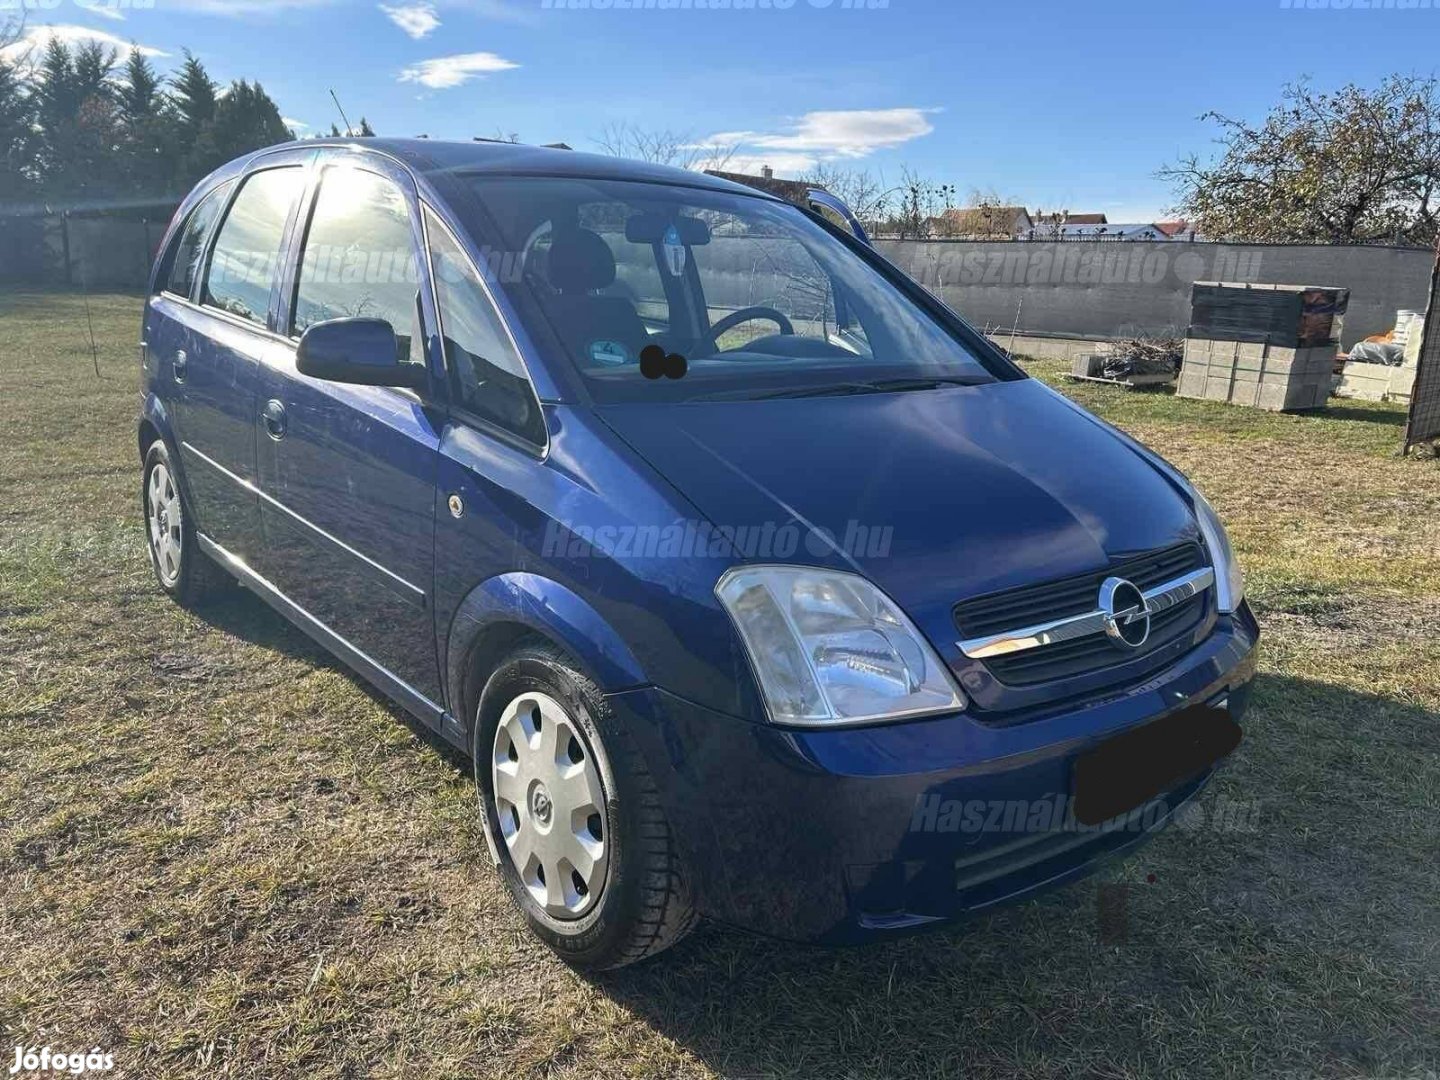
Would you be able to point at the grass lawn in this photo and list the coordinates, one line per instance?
(222, 855)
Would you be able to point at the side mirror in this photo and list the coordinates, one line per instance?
(360, 351)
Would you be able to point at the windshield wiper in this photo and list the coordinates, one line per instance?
(877, 386)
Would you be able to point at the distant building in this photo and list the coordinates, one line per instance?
(1064, 217)
(1117, 231)
(984, 223)
(795, 191)
(1178, 230)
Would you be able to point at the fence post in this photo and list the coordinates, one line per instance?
(65, 244)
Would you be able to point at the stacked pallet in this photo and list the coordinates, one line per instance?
(1267, 346)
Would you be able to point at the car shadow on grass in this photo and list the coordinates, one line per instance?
(1298, 937)
(240, 613)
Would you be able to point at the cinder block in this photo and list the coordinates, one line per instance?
(1192, 382)
(1402, 381)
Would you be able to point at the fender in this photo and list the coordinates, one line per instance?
(548, 608)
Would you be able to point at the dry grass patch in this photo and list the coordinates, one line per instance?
(221, 855)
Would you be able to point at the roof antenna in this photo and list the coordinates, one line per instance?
(341, 109)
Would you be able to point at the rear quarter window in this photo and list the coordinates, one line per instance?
(183, 259)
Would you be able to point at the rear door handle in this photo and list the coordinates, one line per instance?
(275, 419)
(178, 365)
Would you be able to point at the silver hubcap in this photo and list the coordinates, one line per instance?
(162, 505)
(551, 805)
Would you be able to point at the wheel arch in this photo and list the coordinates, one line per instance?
(155, 423)
(505, 611)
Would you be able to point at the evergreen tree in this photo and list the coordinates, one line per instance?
(246, 119)
(77, 124)
(194, 96)
(148, 142)
(16, 132)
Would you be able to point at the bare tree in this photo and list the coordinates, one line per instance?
(663, 147)
(921, 207)
(986, 215)
(12, 33)
(864, 192)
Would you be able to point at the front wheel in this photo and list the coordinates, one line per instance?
(183, 570)
(575, 817)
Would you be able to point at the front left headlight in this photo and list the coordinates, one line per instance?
(829, 648)
(1229, 579)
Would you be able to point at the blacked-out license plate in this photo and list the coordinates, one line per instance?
(1134, 767)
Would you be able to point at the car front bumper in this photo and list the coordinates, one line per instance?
(846, 834)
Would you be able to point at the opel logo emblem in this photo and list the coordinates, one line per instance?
(1127, 615)
(540, 804)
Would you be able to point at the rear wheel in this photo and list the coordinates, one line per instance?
(183, 570)
(575, 817)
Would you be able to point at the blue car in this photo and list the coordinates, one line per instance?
(756, 584)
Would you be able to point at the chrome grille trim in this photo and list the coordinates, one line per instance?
(1162, 596)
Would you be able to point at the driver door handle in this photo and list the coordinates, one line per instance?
(275, 419)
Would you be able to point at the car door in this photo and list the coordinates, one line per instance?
(175, 329)
(348, 472)
(215, 351)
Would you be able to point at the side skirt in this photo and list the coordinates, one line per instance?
(381, 677)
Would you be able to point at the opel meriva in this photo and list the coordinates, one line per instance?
(756, 584)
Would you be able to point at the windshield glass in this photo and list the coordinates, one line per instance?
(677, 293)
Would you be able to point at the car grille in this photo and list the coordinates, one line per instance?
(1018, 608)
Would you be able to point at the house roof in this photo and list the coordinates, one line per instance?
(986, 220)
(1112, 230)
(795, 191)
(1170, 228)
(1070, 219)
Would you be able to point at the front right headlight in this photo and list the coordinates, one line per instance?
(829, 648)
(1229, 579)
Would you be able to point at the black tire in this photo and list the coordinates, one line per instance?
(644, 906)
(197, 578)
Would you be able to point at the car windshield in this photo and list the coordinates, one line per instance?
(680, 293)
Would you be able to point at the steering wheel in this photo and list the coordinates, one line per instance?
(744, 315)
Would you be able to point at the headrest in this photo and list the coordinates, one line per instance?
(579, 261)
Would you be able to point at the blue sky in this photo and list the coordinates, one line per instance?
(1050, 103)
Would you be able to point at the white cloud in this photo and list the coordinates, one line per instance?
(293, 124)
(37, 37)
(417, 20)
(446, 71)
(825, 136)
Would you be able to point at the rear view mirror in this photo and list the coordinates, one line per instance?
(360, 351)
(650, 228)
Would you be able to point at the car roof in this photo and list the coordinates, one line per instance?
(434, 158)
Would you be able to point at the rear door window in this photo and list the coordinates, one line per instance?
(247, 249)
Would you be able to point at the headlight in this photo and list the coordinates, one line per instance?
(1229, 579)
(830, 648)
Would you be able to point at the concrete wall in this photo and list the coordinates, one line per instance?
(1075, 289)
(84, 251)
(1119, 289)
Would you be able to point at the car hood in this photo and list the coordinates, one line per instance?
(935, 495)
